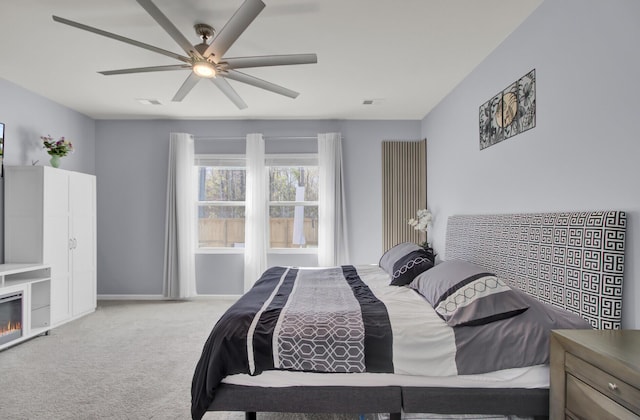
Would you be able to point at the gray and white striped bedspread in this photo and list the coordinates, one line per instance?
(349, 319)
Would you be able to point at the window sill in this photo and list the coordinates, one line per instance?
(292, 251)
(308, 251)
(220, 251)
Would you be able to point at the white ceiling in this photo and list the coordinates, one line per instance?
(406, 55)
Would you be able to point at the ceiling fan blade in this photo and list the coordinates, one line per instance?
(146, 69)
(186, 87)
(269, 60)
(240, 20)
(262, 84)
(120, 38)
(230, 93)
(169, 27)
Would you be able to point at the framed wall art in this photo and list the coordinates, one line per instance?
(509, 112)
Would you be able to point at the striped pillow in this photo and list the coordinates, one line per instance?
(464, 294)
(404, 262)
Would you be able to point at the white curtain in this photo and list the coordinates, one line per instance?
(179, 264)
(332, 234)
(255, 225)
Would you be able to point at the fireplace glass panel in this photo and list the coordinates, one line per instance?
(10, 317)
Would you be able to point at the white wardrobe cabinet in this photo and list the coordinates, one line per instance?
(50, 218)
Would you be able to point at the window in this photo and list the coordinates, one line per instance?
(293, 201)
(221, 201)
(292, 207)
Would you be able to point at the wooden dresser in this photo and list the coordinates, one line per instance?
(595, 374)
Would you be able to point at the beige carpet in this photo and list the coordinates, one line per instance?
(128, 360)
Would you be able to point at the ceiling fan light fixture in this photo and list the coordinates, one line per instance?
(207, 59)
(204, 69)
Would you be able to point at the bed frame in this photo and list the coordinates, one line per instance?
(571, 260)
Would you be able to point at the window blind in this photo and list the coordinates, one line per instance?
(404, 189)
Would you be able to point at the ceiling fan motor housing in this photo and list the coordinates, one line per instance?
(204, 31)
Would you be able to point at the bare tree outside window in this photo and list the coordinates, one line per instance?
(293, 206)
(221, 207)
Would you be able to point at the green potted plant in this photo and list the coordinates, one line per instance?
(56, 148)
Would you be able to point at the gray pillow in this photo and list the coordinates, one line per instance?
(465, 294)
(403, 262)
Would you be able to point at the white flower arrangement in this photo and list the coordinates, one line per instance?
(421, 223)
(422, 220)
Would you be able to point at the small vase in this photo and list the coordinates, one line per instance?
(55, 161)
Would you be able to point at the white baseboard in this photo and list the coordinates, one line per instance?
(131, 297)
(221, 297)
(160, 297)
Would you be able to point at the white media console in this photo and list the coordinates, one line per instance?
(25, 302)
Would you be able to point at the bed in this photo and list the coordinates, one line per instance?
(568, 263)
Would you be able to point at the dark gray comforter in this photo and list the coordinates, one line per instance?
(317, 320)
(330, 320)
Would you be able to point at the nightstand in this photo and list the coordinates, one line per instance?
(595, 374)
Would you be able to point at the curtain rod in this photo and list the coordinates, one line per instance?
(265, 137)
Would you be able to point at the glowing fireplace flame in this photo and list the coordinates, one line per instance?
(11, 327)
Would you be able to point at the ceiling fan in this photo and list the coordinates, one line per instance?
(206, 60)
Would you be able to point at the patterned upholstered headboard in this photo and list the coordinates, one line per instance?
(572, 260)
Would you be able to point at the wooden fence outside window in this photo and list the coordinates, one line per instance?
(221, 233)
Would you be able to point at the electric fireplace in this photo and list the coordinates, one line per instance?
(10, 317)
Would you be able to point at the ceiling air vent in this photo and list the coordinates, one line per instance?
(149, 101)
(375, 101)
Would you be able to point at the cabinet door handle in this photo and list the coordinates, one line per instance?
(75, 243)
(70, 243)
(612, 386)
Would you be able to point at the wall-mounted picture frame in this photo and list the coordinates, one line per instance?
(1, 150)
(509, 112)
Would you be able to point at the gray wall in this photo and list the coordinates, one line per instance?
(28, 116)
(131, 166)
(130, 160)
(582, 155)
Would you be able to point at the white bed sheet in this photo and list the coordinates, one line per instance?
(527, 377)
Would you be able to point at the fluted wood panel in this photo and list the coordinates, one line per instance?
(404, 189)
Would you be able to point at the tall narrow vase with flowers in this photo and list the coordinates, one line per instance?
(421, 223)
(56, 148)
